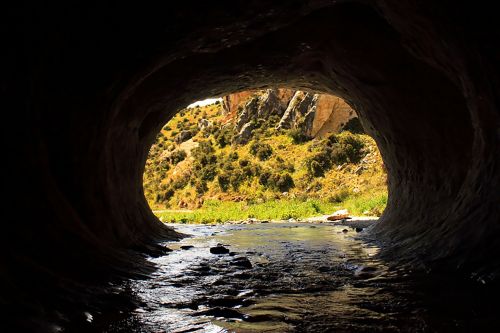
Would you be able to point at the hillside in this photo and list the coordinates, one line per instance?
(262, 150)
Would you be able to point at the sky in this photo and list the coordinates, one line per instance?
(204, 102)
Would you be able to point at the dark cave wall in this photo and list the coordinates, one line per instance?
(89, 87)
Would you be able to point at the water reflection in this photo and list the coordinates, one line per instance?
(280, 278)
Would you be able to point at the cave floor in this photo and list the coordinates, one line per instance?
(292, 277)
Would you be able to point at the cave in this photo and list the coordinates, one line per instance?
(86, 88)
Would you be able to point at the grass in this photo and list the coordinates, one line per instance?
(214, 211)
(367, 204)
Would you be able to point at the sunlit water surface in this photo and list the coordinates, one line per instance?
(303, 278)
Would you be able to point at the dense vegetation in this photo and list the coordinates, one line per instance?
(196, 167)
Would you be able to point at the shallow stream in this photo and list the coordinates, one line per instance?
(288, 277)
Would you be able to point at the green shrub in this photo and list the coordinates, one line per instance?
(244, 162)
(248, 171)
(347, 149)
(223, 136)
(354, 126)
(233, 156)
(226, 166)
(289, 167)
(236, 179)
(180, 183)
(176, 157)
(339, 195)
(204, 148)
(285, 182)
(265, 151)
(280, 182)
(208, 172)
(298, 136)
(272, 120)
(314, 169)
(224, 181)
(319, 163)
(201, 187)
(256, 169)
(264, 178)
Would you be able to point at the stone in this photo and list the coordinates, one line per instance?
(204, 123)
(183, 136)
(338, 215)
(245, 134)
(241, 262)
(219, 249)
(186, 247)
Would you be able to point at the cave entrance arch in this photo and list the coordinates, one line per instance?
(415, 113)
(423, 78)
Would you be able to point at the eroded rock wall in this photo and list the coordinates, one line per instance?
(88, 88)
(316, 115)
(332, 113)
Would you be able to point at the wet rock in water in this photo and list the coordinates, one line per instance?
(345, 231)
(259, 318)
(219, 249)
(241, 262)
(220, 312)
(339, 215)
(229, 301)
(186, 247)
(242, 276)
(219, 282)
(202, 268)
(232, 254)
(158, 251)
(358, 229)
(365, 272)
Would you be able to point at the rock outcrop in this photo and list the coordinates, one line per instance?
(331, 115)
(299, 113)
(315, 115)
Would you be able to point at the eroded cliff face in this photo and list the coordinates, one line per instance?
(315, 115)
(88, 89)
(332, 114)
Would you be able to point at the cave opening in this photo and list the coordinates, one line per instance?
(90, 88)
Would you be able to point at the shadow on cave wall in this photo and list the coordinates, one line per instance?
(89, 87)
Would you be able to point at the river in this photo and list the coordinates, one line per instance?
(294, 277)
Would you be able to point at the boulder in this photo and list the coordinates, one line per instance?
(183, 136)
(241, 262)
(204, 123)
(338, 215)
(219, 249)
(245, 134)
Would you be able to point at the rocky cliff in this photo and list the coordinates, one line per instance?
(315, 115)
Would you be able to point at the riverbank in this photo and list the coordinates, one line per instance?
(214, 211)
